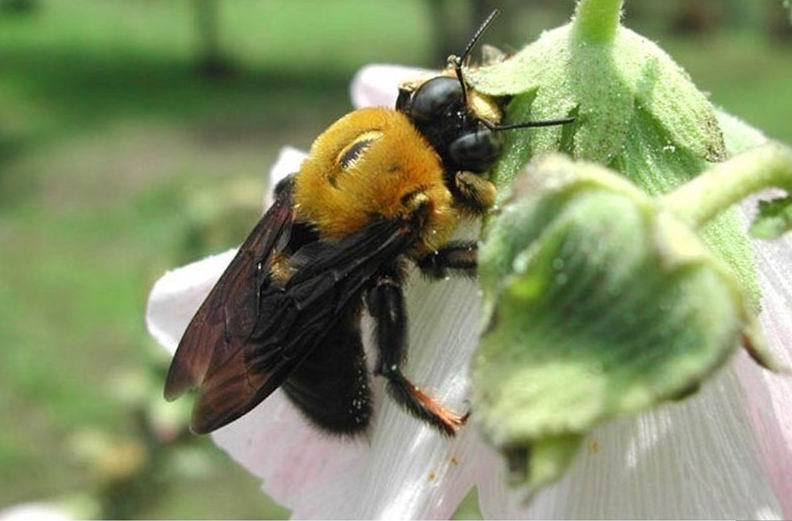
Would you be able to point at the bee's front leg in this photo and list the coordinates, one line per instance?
(473, 193)
(458, 258)
(385, 303)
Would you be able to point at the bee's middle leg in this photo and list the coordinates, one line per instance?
(457, 258)
(385, 302)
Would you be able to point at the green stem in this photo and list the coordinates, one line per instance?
(596, 21)
(717, 189)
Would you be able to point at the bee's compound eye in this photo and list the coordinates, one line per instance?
(434, 97)
(476, 151)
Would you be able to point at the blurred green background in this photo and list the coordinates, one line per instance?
(135, 136)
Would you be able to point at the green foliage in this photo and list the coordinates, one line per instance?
(774, 219)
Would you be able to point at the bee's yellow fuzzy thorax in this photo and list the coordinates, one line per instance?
(362, 167)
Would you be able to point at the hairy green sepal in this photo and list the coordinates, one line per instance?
(637, 112)
(774, 219)
(598, 303)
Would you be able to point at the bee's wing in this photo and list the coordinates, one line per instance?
(251, 356)
(221, 326)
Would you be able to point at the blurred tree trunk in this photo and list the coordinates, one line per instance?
(212, 62)
(18, 6)
(480, 11)
(744, 16)
(697, 17)
(442, 32)
(778, 22)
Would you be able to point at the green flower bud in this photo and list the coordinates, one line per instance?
(601, 301)
(624, 90)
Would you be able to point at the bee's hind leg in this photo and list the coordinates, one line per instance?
(385, 303)
(455, 258)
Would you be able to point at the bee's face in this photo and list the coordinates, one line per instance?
(456, 122)
(371, 163)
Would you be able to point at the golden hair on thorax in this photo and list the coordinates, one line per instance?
(362, 167)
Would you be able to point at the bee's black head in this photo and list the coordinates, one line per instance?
(439, 109)
(448, 112)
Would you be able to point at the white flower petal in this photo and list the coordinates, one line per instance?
(288, 162)
(296, 461)
(176, 296)
(694, 459)
(378, 85)
(34, 512)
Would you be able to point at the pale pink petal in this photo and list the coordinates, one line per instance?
(378, 85)
(296, 461)
(176, 296)
(770, 395)
(694, 459)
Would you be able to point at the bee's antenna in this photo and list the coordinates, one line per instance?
(458, 61)
(475, 38)
(529, 124)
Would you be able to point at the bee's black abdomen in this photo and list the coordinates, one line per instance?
(331, 386)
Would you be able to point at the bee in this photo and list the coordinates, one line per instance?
(380, 189)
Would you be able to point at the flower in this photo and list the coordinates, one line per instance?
(725, 452)
(31, 511)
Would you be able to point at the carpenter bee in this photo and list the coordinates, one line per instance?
(380, 189)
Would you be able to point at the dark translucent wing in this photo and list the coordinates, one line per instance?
(296, 320)
(331, 386)
(222, 325)
(232, 390)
